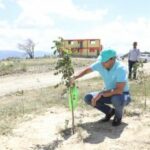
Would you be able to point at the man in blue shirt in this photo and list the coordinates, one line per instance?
(116, 91)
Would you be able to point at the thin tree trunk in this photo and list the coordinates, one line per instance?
(72, 110)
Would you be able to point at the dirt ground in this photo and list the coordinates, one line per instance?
(43, 132)
(18, 82)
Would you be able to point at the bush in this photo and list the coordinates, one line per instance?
(9, 67)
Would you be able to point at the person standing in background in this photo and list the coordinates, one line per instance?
(133, 58)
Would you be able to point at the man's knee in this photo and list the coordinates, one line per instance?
(88, 98)
(117, 100)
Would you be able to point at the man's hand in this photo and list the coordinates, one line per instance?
(95, 99)
(81, 74)
(72, 81)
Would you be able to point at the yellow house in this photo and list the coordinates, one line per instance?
(83, 47)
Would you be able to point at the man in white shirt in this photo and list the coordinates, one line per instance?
(133, 58)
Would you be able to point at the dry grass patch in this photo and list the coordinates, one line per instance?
(38, 65)
(23, 105)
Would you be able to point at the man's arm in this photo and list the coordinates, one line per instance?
(118, 90)
(79, 75)
(82, 73)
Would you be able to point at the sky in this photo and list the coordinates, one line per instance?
(118, 23)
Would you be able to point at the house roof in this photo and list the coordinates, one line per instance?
(81, 39)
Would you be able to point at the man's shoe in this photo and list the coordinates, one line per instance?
(116, 121)
(107, 117)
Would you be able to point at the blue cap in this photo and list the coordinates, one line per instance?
(107, 54)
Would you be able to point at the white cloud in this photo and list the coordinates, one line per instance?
(2, 6)
(120, 34)
(32, 16)
(10, 36)
(63, 8)
(36, 21)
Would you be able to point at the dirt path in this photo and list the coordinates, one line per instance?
(18, 82)
(43, 133)
(14, 83)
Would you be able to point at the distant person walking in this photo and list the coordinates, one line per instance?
(133, 58)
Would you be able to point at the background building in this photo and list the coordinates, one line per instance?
(84, 47)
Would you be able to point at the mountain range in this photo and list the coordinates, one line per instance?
(4, 54)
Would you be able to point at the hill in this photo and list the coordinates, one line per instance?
(4, 54)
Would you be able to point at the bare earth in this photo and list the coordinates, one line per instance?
(43, 132)
(14, 83)
(18, 82)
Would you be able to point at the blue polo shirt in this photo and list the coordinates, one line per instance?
(118, 73)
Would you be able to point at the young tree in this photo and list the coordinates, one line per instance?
(58, 46)
(64, 67)
(142, 79)
(27, 46)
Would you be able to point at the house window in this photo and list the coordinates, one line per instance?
(80, 44)
(70, 42)
(92, 42)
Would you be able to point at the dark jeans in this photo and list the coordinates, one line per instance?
(118, 102)
(131, 70)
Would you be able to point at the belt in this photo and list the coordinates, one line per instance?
(126, 92)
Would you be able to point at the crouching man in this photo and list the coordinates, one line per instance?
(116, 91)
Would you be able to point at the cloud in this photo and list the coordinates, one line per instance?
(36, 20)
(2, 6)
(42, 22)
(120, 34)
(62, 8)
